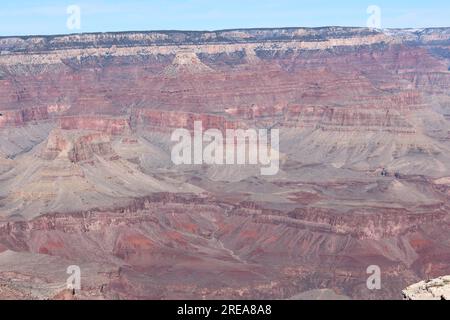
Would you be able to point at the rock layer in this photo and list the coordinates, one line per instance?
(86, 176)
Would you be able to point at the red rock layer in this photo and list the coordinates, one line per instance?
(111, 126)
(260, 253)
(16, 118)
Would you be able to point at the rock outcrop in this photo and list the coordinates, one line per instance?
(436, 289)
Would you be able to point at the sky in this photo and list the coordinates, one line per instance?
(42, 17)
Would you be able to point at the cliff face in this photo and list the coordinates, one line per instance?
(86, 176)
(229, 69)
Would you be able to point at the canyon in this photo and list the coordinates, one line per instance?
(87, 179)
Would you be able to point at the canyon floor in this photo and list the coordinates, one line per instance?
(87, 180)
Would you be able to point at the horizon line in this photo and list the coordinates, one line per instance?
(215, 31)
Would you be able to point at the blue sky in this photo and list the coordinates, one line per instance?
(50, 16)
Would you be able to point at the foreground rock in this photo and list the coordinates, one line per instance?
(436, 289)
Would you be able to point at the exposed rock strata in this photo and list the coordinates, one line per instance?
(86, 176)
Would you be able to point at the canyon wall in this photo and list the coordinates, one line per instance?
(86, 176)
